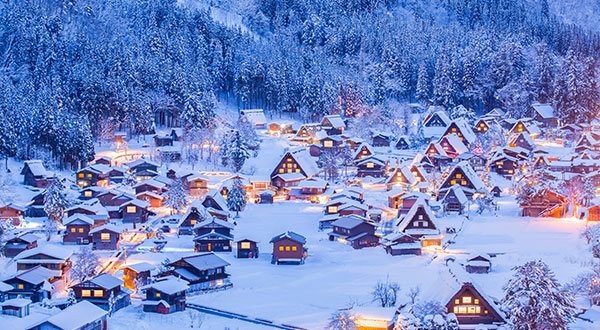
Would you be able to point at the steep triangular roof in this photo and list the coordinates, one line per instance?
(291, 235)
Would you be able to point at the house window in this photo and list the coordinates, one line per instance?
(332, 209)
(72, 230)
(80, 175)
(130, 209)
(466, 300)
(289, 170)
(453, 129)
(105, 236)
(328, 144)
(420, 217)
(98, 293)
(456, 301)
(297, 170)
(158, 295)
(281, 248)
(89, 175)
(476, 301)
(370, 165)
(20, 286)
(281, 170)
(453, 182)
(198, 184)
(193, 222)
(463, 182)
(87, 193)
(287, 248)
(245, 245)
(86, 293)
(80, 230)
(458, 176)
(294, 248)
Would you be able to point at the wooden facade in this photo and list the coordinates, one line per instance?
(471, 307)
(247, 248)
(288, 248)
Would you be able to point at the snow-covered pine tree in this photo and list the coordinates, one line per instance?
(111, 303)
(544, 73)
(246, 129)
(444, 89)
(236, 197)
(329, 161)
(535, 300)
(423, 86)
(86, 265)
(55, 203)
(176, 196)
(71, 299)
(238, 153)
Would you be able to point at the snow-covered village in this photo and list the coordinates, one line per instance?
(300, 164)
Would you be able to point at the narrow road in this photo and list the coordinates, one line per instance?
(241, 317)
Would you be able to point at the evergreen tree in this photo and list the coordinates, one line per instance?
(444, 88)
(176, 196)
(55, 203)
(534, 299)
(71, 299)
(423, 89)
(238, 153)
(236, 197)
(544, 70)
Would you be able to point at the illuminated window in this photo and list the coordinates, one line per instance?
(485, 128)
(98, 293)
(456, 302)
(453, 129)
(80, 230)
(105, 236)
(476, 301)
(463, 182)
(479, 128)
(130, 209)
(193, 222)
(198, 184)
(289, 170)
(289, 159)
(158, 294)
(89, 175)
(20, 286)
(245, 245)
(86, 293)
(280, 170)
(281, 248)
(453, 182)
(297, 170)
(458, 176)
(287, 248)
(328, 144)
(294, 248)
(364, 152)
(466, 300)
(80, 175)
(370, 165)
(72, 230)
(87, 193)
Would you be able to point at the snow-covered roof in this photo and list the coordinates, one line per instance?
(305, 161)
(151, 182)
(313, 183)
(218, 198)
(255, 116)
(348, 222)
(139, 162)
(5, 287)
(222, 223)
(106, 227)
(458, 192)
(169, 286)
(36, 275)
(136, 202)
(107, 281)
(335, 120)
(403, 221)
(76, 316)
(546, 111)
(140, 267)
(27, 237)
(77, 219)
(364, 146)
(469, 174)
(465, 129)
(16, 302)
(291, 235)
(437, 147)
(455, 142)
(50, 250)
(206, 261)
(13, 206)
(93, 205)
(36, 167)
(371, 159)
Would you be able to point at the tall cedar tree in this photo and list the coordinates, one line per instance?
(236, 197)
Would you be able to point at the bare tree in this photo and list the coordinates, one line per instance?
(386, 293)
(342, 320)
(413, 293)
(86, 265)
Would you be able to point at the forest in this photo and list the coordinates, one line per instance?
(70, 68)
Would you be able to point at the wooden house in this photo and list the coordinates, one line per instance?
(163, 140)
(462, 129)
(12, 213)
(35, 174)
(375, 318)
(213, 236)
(297, 163)
(50, 256)
(354, 231)
(402, 143)
(203, 272)
(543, 203)
(310, 189)
(454, 200)
(420, 223)
(434, 149)
(106, 237)
(165, 296)
(474, 309)
(482, 126)
(196, 184)
(18, 307)
(496, 191)
(331, 142)
(81, 316)
(116, 174)
(77, 230)
(247, 248)
(266, 196)
(401, 244)
(152, 198)
(525, 126)
(142, 169)
(136, 275)
(307, 132)
(134, 211)
(453, 146)
(363, 151)
(35, 208)
(463, 175)
(256, 117)
(92, 209)
(436, 118)
(382, 140)
(105, 197)
(544, 113)
(333, 124)
(103, 160)
(503, 164)
(478, 162)
(152, 185)
(479, 263)
(33, 284)
(522, 140)
(401, 177)
(289, 248)
(99, 289)
(93, 175)
(216, 205)
(90, 192)
(195, 213)
(18, 244)
(371, 166)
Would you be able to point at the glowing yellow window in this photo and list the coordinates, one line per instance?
(98, 293)
(289, 159)
(370, 165)
(297, 170)
(328, 144)
(86, 293)
(479, 128)
(294, 248)
(466, 300)
(295, 165)
(463, 182)
(289, 170)
(453, 129)
(287, 248)
(72, 230)
(476, 301)
(364, 152)
(130, 209)
(458, 176)
(105, 236)
(281, 248)
(158, 294)
(193, 222)
(80, 175)
(20, 286)
(87, 193)
(456, 302)
(453, 182)
(280, 170)
(80, 230)
(89, 175)
(198, 184)
(332, 209)
(245, 245)
(485, 128)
